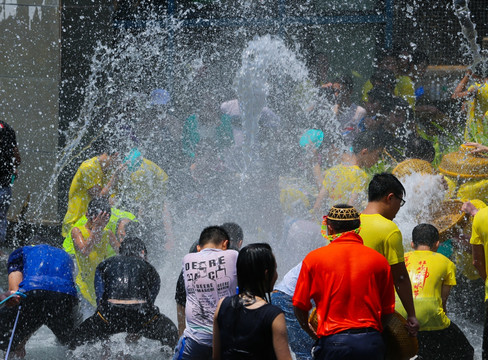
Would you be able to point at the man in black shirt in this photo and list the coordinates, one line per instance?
(126, 287)
(9, 161)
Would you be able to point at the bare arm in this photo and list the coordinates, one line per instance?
(180, 315)
(85, 246)
(114, 242)
(404, 291)
(302, 317)
(460, 92)
(216, 334)
(280, 338)
(446, 289)
(479, 260)
(14, 279)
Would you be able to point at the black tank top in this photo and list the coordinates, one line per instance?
(246, 333)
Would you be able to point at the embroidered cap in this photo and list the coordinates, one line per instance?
(343, 214)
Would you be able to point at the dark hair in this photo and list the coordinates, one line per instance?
(384, 77)
(420, 148)
(96, 206)
(419, 57)
(256, 266)
(425, 234)
(133, 246)
(383, 184)
(134, 229)
(235, 234)
(346, 82)
(369, 139)
(340, 226)
(213, 235)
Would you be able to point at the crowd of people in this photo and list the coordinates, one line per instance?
(350, 265)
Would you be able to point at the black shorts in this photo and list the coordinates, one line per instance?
(58, 311)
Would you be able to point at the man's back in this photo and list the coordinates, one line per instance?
(127, 278)
(350, 283)
(428, 272)
(382, 235)
(43, 267)
(209, 276)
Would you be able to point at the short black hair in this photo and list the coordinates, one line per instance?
(383, 184)
(419, 57)
(425, 234)
(385, 77)
(369, 139)
(96, 206)
(134, 229)
(235, 234)
(133, 246)
(213, 235)
(340, 226)
(347, 82)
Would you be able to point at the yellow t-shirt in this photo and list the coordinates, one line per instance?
(147, 185)
(342, 182)
(476, 112)
(479, 236)
(88, 264)
(405, 89)
(382, 235)
(428, 272)
(88, 175)
(367, 87)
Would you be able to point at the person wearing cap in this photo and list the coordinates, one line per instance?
(346, 182)
(432, 276)
(96, 177)
(352, 288)
(379, 232)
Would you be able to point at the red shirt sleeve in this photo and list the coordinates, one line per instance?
(301, 297)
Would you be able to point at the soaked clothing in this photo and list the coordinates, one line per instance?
(58, 311)
(246, 333)
(477, 108)
(127, 278)
(357, 300)
(43, 267)
(88, 264)
(88, 175)
(115, 216)
(342, 182)
(382, 235)
(405, 89)
(209, 276)
(51, 297)
(479, 236)
(428, 272)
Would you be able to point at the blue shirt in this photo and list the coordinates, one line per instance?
(43, 267)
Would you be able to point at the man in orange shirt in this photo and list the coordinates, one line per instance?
(352, 287)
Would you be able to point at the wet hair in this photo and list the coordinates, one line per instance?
(380, 94)
(134, 229)
(340, 226)
(369, 139)
(235, 234)
(425, 234)
(256, 267)
(213, 235)
(96, 206)
(420, 148)
(133, 246)
(383, 184)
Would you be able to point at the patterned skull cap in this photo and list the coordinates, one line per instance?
(343, 214)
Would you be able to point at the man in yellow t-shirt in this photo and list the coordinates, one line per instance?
(432, 276)
(96, 177)
(346, 183)
(479, 242)
(379, 232)
(92, 244)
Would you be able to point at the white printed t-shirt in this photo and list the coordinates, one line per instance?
(209, 276)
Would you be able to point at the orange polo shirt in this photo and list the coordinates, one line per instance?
(350, 283)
